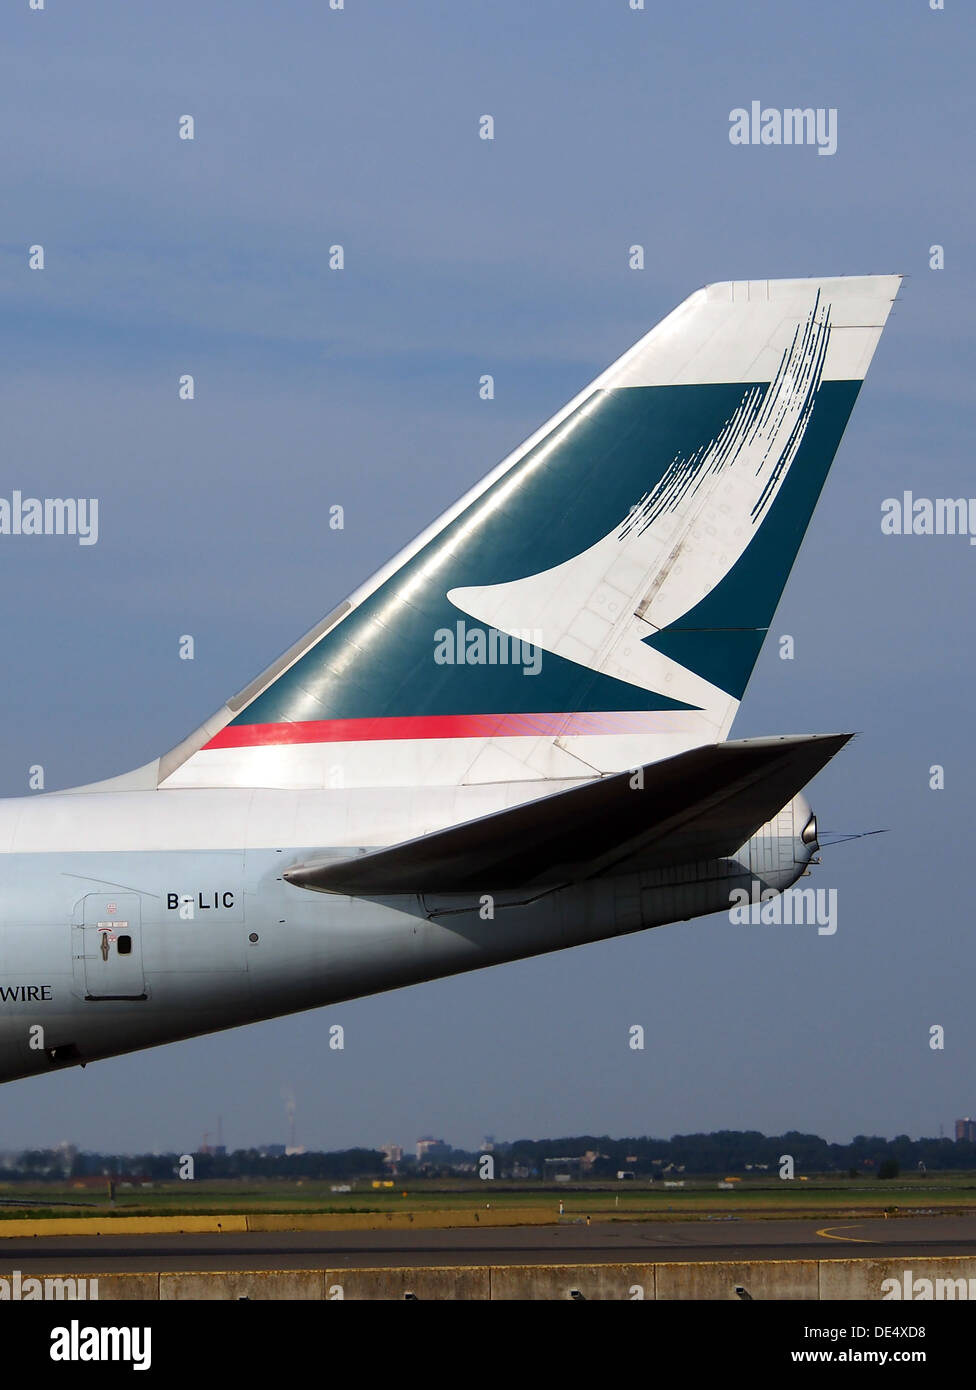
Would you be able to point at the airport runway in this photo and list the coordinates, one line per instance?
(602, 1242)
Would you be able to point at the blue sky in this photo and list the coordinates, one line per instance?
(315, 387)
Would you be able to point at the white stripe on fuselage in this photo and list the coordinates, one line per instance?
(220, 818)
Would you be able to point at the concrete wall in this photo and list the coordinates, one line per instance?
(759, 1279)
(782, 1280)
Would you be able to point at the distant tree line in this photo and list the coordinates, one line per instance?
(727, 1152)
(739, 1152)
(343, 1165)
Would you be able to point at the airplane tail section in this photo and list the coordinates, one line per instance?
(599, 600)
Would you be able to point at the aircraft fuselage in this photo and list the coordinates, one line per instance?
(108, 950)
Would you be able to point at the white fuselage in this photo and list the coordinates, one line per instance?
(135, 918)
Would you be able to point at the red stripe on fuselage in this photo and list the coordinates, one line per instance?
(436, 726)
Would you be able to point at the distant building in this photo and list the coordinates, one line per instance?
(67, 1153)
(392, 1154)
(431, 1150)
(562, 1169)
(966, 1131)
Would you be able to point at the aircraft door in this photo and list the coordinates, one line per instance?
(112, 946)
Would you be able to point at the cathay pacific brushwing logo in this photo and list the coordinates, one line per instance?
(677, 542)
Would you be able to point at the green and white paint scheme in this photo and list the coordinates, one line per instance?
(404, 794)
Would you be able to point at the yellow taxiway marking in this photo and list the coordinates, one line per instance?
(858, 1240)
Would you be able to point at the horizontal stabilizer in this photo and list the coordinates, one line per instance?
(700, 805)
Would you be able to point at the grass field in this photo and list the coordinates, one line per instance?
(623, 1201)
